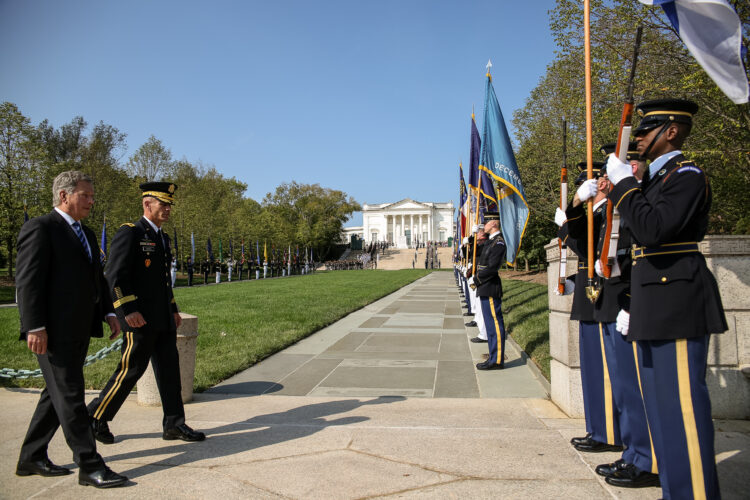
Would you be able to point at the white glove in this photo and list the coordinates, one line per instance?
(587, 190)
(560, 217)
(475, 228)
(471, 281)
(570, 286)
(622, 323)
(598, 268)
(617, 170)
(465, 241)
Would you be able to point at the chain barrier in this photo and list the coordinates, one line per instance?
(102, 353)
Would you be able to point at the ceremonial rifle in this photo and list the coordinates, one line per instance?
(563, 205)
(608, 256)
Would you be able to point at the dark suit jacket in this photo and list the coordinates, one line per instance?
(138, 273)
(57, 286)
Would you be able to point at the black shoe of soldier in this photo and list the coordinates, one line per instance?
(101, 431)
(184, 433)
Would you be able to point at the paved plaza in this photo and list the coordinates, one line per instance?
(385, 403)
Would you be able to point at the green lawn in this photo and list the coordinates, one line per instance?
(240, 323)
(526, 315)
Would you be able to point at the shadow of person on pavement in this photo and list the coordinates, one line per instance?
(256, 432)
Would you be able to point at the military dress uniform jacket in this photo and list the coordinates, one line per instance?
(673, 294)
(574, 234)
(138, 275)
(58, 288)
(486, 278)
(615, 291)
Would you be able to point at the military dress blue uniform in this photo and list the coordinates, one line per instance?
(675, 305)
(602, 424)
(637, 466)
(489, 290)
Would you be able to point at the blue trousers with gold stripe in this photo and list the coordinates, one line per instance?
(138, 348)
(493, 321)
(598, 402)
(467, 291)
(626, 393)
(678, 408)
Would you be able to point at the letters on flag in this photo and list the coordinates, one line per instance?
(499, 162)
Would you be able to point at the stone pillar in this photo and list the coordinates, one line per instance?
(728, 376)
(187, 338)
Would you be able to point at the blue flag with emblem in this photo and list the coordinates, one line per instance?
(209, 250)
(192, 246)
(103, 243)
(499, 162)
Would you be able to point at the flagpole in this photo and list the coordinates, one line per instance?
(479, 191)
(590, 289)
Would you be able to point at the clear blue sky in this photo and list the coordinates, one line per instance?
(370, 97)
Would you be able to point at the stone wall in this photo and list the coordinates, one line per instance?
(728, 257)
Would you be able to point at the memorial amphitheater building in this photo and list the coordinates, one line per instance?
(405, 223)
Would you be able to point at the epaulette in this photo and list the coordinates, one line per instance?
(129, 224)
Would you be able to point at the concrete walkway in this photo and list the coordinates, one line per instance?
(383, 404)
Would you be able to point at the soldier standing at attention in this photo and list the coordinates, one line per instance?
(490, 292)
(190, 271)
(138, 277)
(675, 303)
(602, 424)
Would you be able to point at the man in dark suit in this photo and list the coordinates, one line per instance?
(62, 301)
(138, 278)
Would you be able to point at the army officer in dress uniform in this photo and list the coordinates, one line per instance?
(675, 303)
(138, 278)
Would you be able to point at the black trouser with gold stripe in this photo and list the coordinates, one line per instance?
(140, 345)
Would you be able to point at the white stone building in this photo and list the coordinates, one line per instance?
(405, 223)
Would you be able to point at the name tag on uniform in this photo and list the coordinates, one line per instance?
(148, 246)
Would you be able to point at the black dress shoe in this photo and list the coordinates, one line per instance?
(41, 467)
(184, 433)
(101, 478)
(471, 323)
(631, 476)
(607, 470)
(593, 446)
(583, 439)
(101, 431)
(477, 340)
(487, 366)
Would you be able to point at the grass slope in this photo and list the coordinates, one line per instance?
(526, 315)
(240, 323)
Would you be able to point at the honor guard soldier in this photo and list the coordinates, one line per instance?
(602, 428)
(637, 467)
(675, 303)
(190, 271)
(138, 277)
(489, 289)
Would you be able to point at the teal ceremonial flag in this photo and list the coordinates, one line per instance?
(498, 160)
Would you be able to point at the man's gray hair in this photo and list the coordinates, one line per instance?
(67, 181)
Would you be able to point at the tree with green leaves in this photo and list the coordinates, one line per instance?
(152, 161)
(20, 174)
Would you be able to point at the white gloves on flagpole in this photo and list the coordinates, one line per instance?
(617, 170)
(560, 217)
(587, 190)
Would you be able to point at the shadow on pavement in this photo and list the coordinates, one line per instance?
(256, 432)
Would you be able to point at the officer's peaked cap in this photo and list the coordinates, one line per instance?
(162, 191)
(658, 111)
